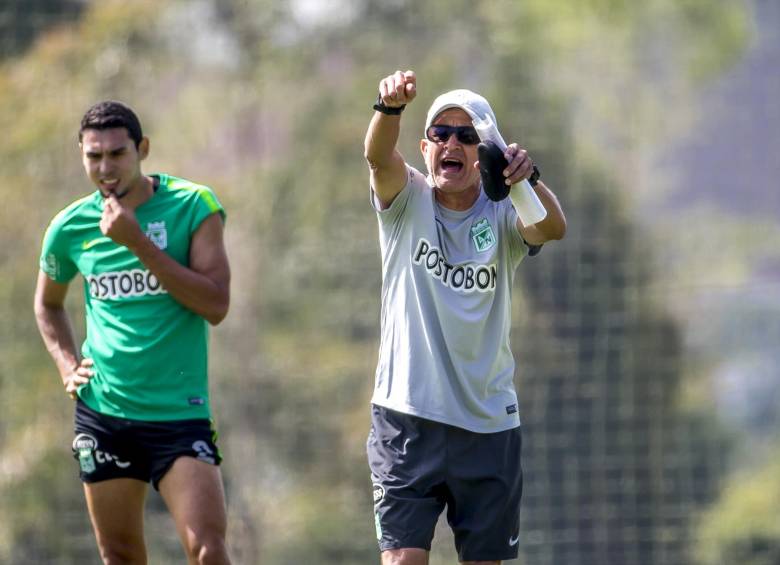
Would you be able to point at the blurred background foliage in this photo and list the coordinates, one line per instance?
(646, 340)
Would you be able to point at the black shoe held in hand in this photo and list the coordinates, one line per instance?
(491, 168)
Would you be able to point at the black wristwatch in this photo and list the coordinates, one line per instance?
(390, 111)
(534, 178)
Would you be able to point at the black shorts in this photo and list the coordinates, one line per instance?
(108, 447)
(419, 467)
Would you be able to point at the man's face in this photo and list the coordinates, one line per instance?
(111, 160)
(451, 162)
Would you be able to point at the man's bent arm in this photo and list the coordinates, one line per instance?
(54, 324)
(553, 226)
(204, 286)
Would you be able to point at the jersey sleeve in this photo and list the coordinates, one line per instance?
(395, 211)
(517, 246)
(206, 204)
(56, 260)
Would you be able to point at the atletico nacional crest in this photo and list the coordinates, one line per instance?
(482, 235)
(157, 233)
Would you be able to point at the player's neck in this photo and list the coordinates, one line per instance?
(141, 191)
(458, 201)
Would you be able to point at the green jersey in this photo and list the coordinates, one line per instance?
(150, 353)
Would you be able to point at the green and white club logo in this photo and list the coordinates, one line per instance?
(482, 235)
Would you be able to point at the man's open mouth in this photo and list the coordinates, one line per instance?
(451, 165)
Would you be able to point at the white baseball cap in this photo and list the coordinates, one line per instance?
(470, 102)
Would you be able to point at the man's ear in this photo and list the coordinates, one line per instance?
(424, 146)
(143, 148)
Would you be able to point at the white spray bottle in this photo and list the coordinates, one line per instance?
(529, 208)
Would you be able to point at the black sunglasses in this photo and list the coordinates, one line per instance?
(467, 135)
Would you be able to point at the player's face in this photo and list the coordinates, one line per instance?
(451, 162)
(111, 160)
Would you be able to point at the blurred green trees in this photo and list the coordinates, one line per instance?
(21, 21)
(744, 527)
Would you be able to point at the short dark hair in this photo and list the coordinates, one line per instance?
(112, 114)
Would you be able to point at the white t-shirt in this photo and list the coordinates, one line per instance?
(446, 309)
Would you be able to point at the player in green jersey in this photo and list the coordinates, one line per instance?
(151, 252)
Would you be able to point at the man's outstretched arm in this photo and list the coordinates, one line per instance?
(386, 164)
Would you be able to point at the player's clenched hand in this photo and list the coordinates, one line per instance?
(119, 222)
(398, 89)
(79, 376)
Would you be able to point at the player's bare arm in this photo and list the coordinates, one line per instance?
(204, 286)
(57, 332)
(553, 226)
(386, 164)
